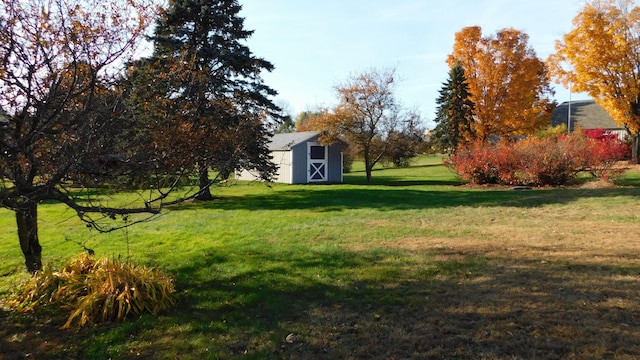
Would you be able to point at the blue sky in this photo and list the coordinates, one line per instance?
(316, 44)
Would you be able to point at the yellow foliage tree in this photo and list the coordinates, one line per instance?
(601, 56)
(508, 83)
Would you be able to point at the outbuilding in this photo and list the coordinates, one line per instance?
(301, 159)
(586, 115)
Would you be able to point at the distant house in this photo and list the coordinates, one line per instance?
(586, 115)
(301, 159)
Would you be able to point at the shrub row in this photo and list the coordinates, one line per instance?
(539, 161)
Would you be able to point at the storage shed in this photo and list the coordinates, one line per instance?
(301, 159)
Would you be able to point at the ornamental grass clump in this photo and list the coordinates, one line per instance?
(97, 291)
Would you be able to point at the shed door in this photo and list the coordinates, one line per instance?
(317, 162)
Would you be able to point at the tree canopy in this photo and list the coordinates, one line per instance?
(78, 111)
(509, 84)
(370, 118)
(60, 110)
(203, 91)
(601, 56)
(306, 119)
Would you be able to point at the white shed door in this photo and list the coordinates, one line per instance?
(317, 162)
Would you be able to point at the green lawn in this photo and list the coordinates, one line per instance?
(411, 266)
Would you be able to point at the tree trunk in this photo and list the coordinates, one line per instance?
(367, 166)
(635, 148)
(27, 220)
(368, 171)
(370, 162)
(203, 182)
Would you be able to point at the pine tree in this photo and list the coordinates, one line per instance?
(204, 93)
(454, 114)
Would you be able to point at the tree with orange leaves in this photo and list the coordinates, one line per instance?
(508, 83)
(601, 56)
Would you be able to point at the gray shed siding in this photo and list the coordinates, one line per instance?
(300, 157)
(290, 153)
(299, 163)
(334, 167)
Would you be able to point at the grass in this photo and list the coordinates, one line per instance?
(410, 266)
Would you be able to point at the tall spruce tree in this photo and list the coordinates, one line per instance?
(454, 114)
(205, 100)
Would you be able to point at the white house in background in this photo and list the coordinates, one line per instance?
(301, 159)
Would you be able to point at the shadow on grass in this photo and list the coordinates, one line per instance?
(339, 197)
(629, 181)
(467, 307)
(463, 306)
(379, 169)
(395, 181)
(34, 335)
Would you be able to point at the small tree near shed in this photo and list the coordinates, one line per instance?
(369, 117)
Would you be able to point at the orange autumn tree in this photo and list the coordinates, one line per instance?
(507, 82)
(601, 56)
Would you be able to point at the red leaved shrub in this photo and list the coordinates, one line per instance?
(605, 151)
(538, 161)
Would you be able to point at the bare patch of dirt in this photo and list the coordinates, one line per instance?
(598, 184)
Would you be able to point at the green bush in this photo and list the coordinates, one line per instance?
(97, 290)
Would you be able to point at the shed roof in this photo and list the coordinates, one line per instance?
(284, 142)
(584, 113)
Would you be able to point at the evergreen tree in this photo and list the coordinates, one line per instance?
(286, 126)
(454, 114)
(205, 101)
